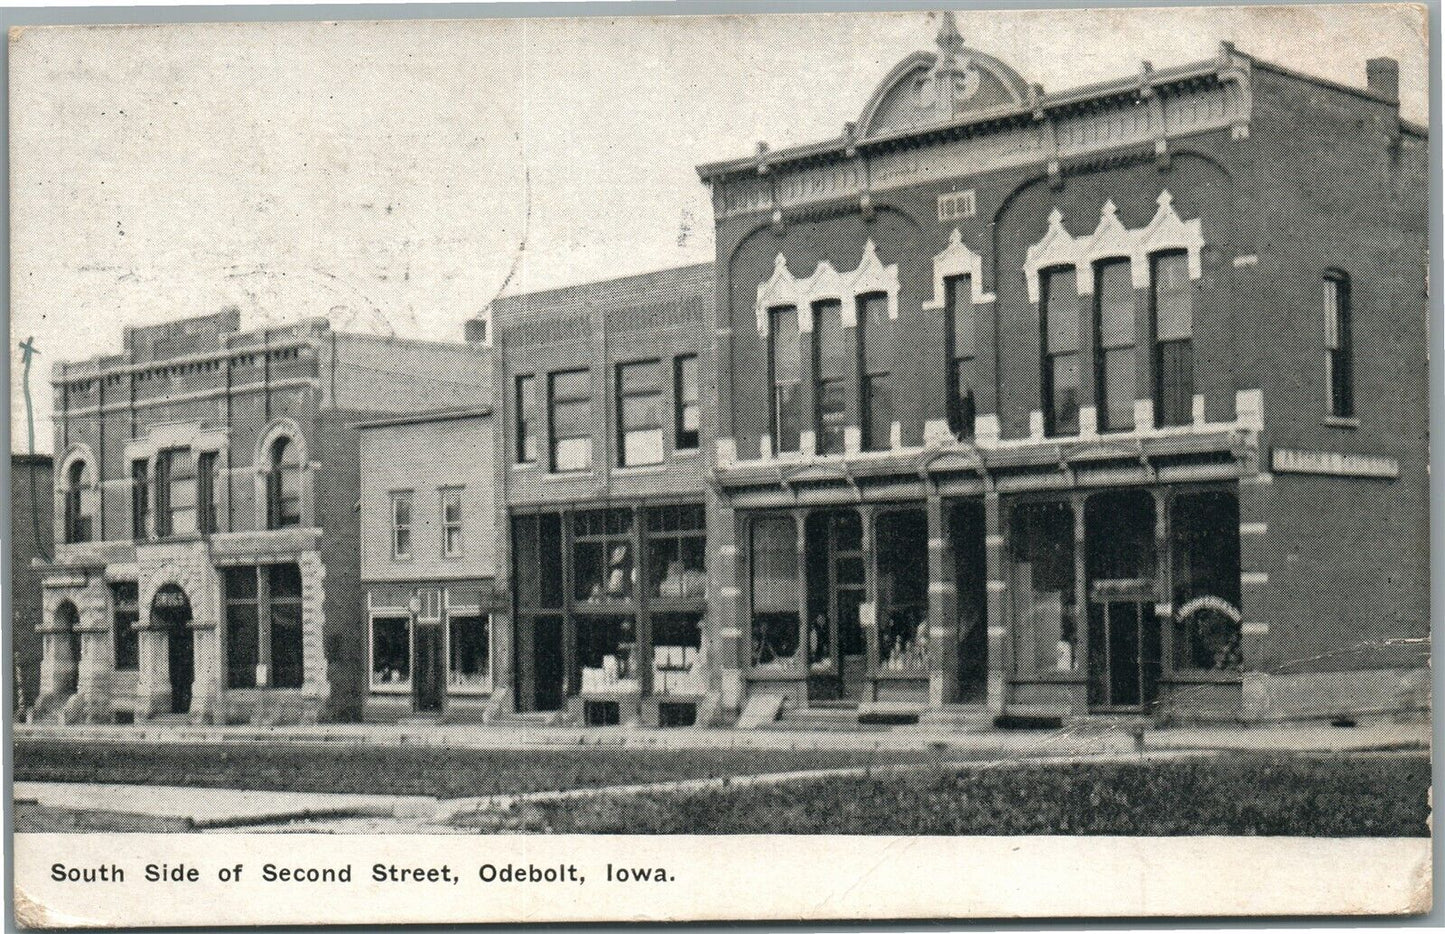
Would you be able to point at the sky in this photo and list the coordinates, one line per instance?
(397, 176)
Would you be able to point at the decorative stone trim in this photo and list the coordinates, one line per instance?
(783, 289)
(956, 260)
(1110, 240)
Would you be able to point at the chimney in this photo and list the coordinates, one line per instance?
(1383, 77)
(476, 331)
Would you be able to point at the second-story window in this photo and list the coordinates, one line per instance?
(1060, 339)
(830, 381)
(687, 414)
(401, 524)
(140, 499)
(451, 522)
(1339, 345)
(283, 485)
(207, 492)
(1114, 337)
(569, 395)
(639, 413)
(875, 350)
(175, 493)
(962, 349)
(1173, 339)
(77, 509)
(786, 404)
(526, 409)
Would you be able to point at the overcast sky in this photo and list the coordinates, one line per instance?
(387, 174)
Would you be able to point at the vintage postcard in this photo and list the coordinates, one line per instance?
(957, 464)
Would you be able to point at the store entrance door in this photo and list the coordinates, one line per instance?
(550, 661)
(837, 589)
(1124, 656)
(428, 680)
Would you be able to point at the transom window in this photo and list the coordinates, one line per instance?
(639, 403)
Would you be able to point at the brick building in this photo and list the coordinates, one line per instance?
(1028, 401)
(606, 395)
(31, 539)
(206, 558)
(437, 627)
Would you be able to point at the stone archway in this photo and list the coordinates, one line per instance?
(67, 642)
(170, 616)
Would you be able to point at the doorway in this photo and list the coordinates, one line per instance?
(68, 617)
(171, 613)
(837, 590)
(967, 533)
(427, 680)
(550, 662)
(1124, 635)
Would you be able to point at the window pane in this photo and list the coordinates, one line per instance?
(1065, 394)
(832, 412)
(789, 407)
(687, 379)
(875, 333)
(607, 651)
(572, 419)
(642, 447)
(677, 663)
(1061, 311)
(786, 356)
(1119, 389)
(549, 534)
(286, 663)
(1173, 297)
(526, 395)
(401, 509)
(453, 540)
(961, 413)
(775, 566)
(643, 411)
(285, 581)
(1205, 549)
(832, 352)
(240, 583)
(686, 400)
(126, 613)
(1042, 553)
(960, 316)
(1115, 296)
(878, 417)
(401, 542)
(1175, 390)
(469, 662)
(390, 650)
(574, 454)
(452, 506)
(241, 636)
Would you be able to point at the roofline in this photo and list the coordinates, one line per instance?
(36, 458)
(436, 415)
(599, 283)
(845, 146)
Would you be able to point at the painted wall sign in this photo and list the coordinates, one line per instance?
(1287, 460)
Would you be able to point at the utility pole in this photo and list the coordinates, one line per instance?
(27, 347)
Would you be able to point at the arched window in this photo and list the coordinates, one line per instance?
(283, 485)
(77, 513)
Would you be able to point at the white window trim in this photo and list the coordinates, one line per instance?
(1112, 240)
(460, 523)
(397, 496)
(372, 615)
(825, 284)
(956, 260)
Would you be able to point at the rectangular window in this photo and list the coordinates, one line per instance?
(284, 591)
(875, 349)
(1114, 337)
(639, 413)
(243, 626)
(962, 339)
(207, 492)
(1339, 346)
(786, 375)
(469, 652)
(1174, 340)
(602, 556)
(775, 582)
(830, 368)
(125, 613)
(687, 413)
(140, 499)
(676, 548)
(526, 409)
(175, 492)
(1059, 327)
(390, 651)
(401, 524)
(569, 397)
(451, 523)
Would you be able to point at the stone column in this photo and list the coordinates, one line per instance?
(726, 614)
(998, 626)
(1081, 590)
(942, 607)
(800, 530)
(1260, 654)
(153, 686)
(94, 667)
(57, 666)
(206, 706)
(1163, 575)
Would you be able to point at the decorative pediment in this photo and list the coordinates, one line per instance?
(827, 283)
(957, 260)
(1112, 240)
(957, 460)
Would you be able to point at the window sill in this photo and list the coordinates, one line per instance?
(525, 465)
(1341, 421)
(639, 469)
(455, 690)
(570, 475)
(391, 689)
(686, 452)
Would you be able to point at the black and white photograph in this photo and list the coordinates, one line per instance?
(501, 466)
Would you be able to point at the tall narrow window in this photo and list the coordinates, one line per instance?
(283, 585)
(77, 511)
(175, 493)
(962, 348)
(773, 555)
(242, 626)
(283, 485)
(451, 523)
(1060, 339)
(830, 381)
(1114, 370)
(1339, 345)
(875, 349)
(125, 613)
(526, 409)
(786, 366)
(1174, 340)
(639, 411)
(208, 485)
(140, 499)
(401, 524)
(687, 414)
(570, 400)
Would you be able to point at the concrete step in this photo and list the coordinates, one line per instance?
(760, 709)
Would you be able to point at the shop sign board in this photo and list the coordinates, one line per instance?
(1333, 463)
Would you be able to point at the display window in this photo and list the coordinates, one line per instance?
(603, 563)
(1045, 599)
(678, 662)
(469, 651)
(608, 653)
(391, 652)
(902, 551)
(676, 552)
(1204, 540)
(775, 593)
